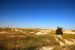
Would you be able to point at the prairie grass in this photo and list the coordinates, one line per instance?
(20, 41)
(13, 40)
(69, 36)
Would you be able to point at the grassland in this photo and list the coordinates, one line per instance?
(16, 40)
(25, 40)
(69, 36)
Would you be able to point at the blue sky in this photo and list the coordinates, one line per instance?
(37, 13)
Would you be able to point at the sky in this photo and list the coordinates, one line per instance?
(37, 13)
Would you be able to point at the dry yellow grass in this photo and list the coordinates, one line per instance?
(16, 40)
